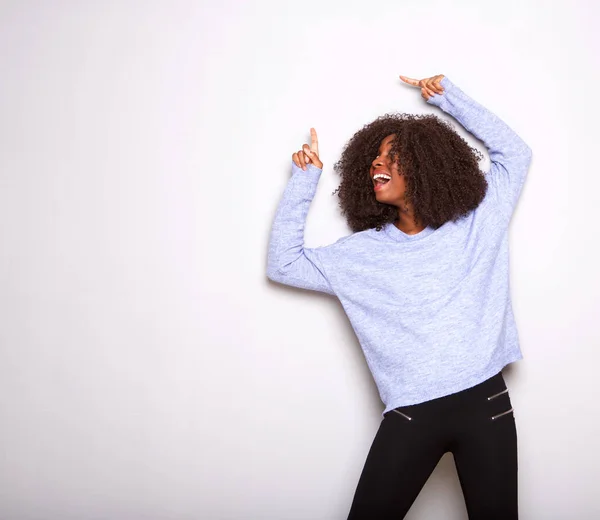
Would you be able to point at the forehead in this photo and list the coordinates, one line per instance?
(387, 140)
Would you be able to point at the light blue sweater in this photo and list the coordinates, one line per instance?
(432, 311)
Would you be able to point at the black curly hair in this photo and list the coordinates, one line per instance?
(442, 175)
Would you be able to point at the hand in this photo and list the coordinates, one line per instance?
(308, 154)
(429, 86)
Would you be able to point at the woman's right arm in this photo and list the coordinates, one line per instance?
(288, 261)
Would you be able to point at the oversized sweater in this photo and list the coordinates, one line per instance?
(432, 311)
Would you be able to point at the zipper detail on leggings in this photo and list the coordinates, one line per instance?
(402, 414)
(496, 395)
(501, 414)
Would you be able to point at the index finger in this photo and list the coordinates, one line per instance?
(411, 81)
(314, 142)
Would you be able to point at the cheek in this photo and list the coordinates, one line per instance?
(399, 181)
(400, 188)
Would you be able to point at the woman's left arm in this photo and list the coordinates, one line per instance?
(510, 156)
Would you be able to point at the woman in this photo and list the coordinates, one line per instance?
(424, 281)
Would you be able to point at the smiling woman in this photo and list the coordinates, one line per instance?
(435, 174)
(424, 279)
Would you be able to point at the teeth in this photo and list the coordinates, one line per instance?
(382, 176)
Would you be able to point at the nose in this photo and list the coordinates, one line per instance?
(378, 161)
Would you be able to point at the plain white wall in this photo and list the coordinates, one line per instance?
(148, 368)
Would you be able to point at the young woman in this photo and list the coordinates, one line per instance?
(424, 281)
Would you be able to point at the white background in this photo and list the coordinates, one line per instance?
(148, 368)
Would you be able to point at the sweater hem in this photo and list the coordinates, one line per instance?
(463, 385)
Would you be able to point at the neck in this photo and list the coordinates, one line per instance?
(406, 222)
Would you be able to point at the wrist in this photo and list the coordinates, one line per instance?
(312, 172)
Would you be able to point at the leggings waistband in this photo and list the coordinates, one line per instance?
(489, 388)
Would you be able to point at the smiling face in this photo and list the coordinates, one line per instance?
(387, 191)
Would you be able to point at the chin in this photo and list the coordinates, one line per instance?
(383, 197)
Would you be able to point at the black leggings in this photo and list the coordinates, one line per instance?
(476, 425)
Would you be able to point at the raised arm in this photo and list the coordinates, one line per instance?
(289, 262)
(509, 155)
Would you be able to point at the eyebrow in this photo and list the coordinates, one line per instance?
(379, 149)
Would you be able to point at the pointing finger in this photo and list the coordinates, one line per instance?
(314, 142)
(410, 81)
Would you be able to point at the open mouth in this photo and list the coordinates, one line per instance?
(380, 180)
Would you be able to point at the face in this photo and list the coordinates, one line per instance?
(387, 191)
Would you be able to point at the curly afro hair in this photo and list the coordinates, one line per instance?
(442, 175)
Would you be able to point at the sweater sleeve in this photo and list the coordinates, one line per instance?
(288, 261)
(509, 155)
